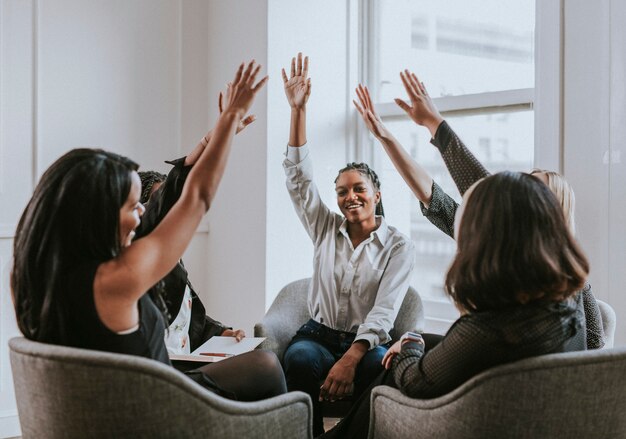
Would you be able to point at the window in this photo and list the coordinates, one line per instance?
(478, 63)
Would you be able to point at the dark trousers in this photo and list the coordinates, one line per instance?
(356, 423)
(312, 353)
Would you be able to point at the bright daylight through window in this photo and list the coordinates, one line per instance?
(477, 61)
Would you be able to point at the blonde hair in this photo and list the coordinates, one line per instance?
(564, 194)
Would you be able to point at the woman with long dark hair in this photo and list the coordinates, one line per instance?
(80, 280)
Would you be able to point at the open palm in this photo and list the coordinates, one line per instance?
(368, 112)
(297, 86)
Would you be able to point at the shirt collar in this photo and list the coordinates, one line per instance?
(382, 232)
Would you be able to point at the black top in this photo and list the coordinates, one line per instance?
(84, 329)
(481, 340)
(465, 170)
(201, 326)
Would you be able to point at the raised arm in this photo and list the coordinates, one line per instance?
(194, 155)
(464, 168)
(127, 277)
(414, 175)
(313, 213)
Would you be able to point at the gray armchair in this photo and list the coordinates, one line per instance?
(75, 393)
(577, 394)
(608, 323)
(290, 310)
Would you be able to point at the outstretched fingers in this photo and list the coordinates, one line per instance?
(260, 84)
(299, 65)
(253, 74)
(238, 74)
(305, 71)
(358, 107)
(406, 107)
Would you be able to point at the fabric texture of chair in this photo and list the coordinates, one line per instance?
(609, 322)
(65, 392)
(574, 394)
(290, 310)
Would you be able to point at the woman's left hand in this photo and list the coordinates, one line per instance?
(391, 353)
(237, 333)
(367, 111)
(243, 123)
(338, 383)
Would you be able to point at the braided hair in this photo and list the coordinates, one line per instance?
(157, 292)
(364, 169)
(148, 179)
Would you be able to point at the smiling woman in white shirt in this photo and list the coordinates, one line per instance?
(361, 269)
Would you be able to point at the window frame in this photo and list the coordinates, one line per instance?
(545, 99)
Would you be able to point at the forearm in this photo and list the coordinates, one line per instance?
(415, 176)
(297, 129)
(357, 351)
(194, 155)
(207, 173)
(463, 166)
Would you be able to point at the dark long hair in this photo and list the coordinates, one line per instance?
(514, 247)
(364, 169)
(72, 217)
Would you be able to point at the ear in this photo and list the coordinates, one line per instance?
(377, 197)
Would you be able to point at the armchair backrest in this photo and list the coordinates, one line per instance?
(609, 322)
(290, 310)
(576, 394)
(76, 393)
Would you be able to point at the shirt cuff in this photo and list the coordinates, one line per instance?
(296, 154)
(436, 201)
(443, 136)
(370, 338)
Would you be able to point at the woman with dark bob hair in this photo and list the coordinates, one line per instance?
(80, 280)
(514, 278)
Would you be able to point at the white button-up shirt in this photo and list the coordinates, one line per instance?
(359, 289)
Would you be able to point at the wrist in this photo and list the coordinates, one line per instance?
(298, 109)
(433, 124)
(236, 113)
(411, 337)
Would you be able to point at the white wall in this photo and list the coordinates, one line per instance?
(594, 103)
(257, 244)
(129, 76)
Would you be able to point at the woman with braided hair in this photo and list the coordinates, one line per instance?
(361, 270)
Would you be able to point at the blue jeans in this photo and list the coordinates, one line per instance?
(312, 353)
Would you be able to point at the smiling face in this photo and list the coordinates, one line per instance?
(356, 196)
(131, 212)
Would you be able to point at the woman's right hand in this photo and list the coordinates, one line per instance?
(422, 109)
(367, 111)
(297, 86)
(391, 353)
(241, 93)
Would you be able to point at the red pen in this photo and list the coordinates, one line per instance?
(216, 354)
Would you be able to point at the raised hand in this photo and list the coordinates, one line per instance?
(241, 93)
(243, 123)
(368, 113)
(298, 86)
(422, 109)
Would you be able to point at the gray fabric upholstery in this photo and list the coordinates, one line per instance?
(74, 393)
(576, 394)
(608, 323)
(290, 310)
